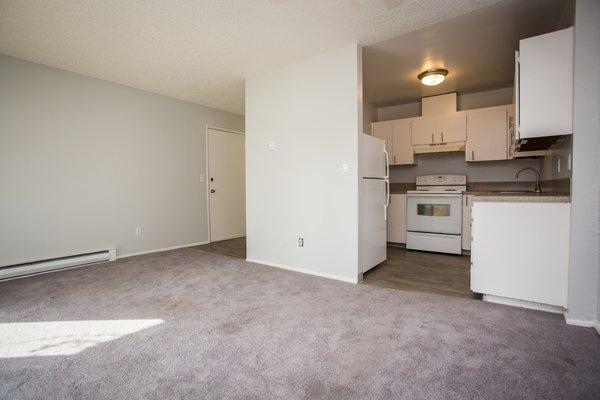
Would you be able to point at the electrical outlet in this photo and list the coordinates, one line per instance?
(300, 242)
(138, 231)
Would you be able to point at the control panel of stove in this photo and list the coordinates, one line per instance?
(434, 180)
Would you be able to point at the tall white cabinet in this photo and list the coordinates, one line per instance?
(544, 85)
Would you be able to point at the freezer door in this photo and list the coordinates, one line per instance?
(374, 158)
(374, 224)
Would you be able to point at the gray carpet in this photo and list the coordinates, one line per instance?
(236, 330)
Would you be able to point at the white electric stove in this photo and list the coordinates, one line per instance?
(434, 214)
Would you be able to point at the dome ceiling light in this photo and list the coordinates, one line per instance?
(433, 77)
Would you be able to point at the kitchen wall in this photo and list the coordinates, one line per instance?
(454, 163)
(468, 101)
(584, 272)
(559, 153)
(83, 162)
(369, 116)
(298, 189)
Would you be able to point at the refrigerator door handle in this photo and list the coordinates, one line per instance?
(387, 199)
(387, 163)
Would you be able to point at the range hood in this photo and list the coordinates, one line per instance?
(439, 148)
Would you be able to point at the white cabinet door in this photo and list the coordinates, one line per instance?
(402, 152)
(521, 251)
(396, 227)
(451, 128)
(466, 223)
(383, 131)
(487, 134)
(424, 130)
(546, 85)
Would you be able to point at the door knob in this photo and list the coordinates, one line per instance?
(212, 190)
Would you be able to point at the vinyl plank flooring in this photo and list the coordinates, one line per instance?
(443, 274)
(235, 248)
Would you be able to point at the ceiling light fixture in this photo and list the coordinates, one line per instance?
(433, 77)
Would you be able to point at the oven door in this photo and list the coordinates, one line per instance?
(434, 213)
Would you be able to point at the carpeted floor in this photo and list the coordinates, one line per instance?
(214, 327)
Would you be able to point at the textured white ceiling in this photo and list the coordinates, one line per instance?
(201, 51)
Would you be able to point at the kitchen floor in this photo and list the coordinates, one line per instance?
(410, 270)
(420, 271)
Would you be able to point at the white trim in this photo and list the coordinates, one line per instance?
(303, 271)
(119, 256)
(597, 327)
(230, 237)
(207, 175)
(218, 128)
(523, 304)
(580, 322)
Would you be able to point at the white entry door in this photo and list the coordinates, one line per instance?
(226, 185)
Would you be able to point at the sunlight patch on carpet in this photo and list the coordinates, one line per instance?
(61, 338)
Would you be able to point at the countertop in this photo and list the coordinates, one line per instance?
(508, 196)
(520, 197)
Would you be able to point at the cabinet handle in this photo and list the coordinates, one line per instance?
(472, 155)
(394, 159)
(432, 140)
(442, 137)
(466, 201)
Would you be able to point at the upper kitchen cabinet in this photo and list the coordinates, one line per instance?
(488, 134)
(402, 151)
(544, 85)
(383, 131)
(452, 127)
(398, 143)
(423, 130)
(437, 129)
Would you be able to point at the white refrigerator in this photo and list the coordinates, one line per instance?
(375, 193)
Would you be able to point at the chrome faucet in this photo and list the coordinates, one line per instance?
(537, 178)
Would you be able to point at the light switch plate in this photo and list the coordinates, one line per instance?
(271, 145)
(345, 169)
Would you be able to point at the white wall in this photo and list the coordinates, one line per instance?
(83, 162)
(312, 110)
(584, 304)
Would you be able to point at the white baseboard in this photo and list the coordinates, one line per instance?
(523, 304)
(302, 270)
(162, 249)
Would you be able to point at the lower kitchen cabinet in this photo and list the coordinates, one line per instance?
(520, 252)
(466, 222)
(396, 219)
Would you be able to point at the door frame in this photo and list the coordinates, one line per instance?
(207, 169)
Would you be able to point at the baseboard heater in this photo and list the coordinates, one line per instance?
(56, 264)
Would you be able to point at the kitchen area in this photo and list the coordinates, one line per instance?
(479, 149)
